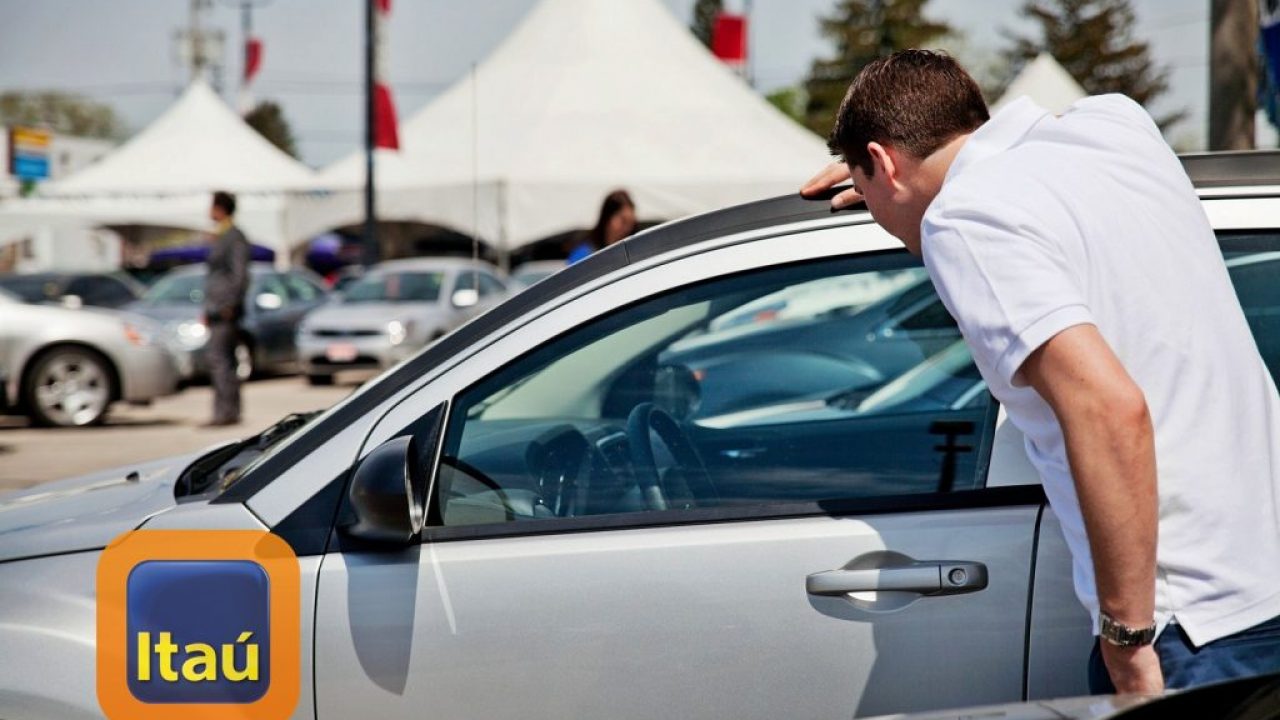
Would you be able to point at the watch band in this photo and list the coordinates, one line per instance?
(1121, 635)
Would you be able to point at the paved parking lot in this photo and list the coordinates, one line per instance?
(169, 426)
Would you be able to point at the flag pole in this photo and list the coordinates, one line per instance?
(369, 254)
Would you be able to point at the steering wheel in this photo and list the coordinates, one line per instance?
(644, 418)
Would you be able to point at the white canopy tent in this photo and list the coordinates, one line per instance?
(584, 97)
(1047, 83)
(165, 174)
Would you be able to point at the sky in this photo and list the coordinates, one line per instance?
(122, 52)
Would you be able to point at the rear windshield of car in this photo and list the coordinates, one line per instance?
(177, 290)
(395, 287)
(32, 288)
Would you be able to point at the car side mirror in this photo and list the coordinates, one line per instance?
(388, 495)
(465, 298)
(269, 301)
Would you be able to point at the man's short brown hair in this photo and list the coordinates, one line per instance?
(915, 100)
(226, 201)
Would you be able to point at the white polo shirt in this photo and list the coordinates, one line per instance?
(1048, 222)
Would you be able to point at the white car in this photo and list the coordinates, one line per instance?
(530, 518)
(391, 311)
(67, 366)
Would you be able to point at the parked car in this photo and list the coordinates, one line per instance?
(66, 367)
(572, 541)
(110, 290)
(534, 271)
(276, 303)
(391, 312)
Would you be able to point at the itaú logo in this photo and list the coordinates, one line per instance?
(200, 624)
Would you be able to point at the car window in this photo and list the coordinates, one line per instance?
(394, 287)
(300, 289)
(115, 292)
(184, 289)
(490, 285)
(33, 288)
(466, 280)
(268, 284)
(763, 388)
(1253, 263)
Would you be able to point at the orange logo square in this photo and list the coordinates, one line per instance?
(200, 624)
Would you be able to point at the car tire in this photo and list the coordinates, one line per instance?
(246, 363)
(319, 380)
(69, 386)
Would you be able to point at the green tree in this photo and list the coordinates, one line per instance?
(63, 113)
(790, 100)
(1094, 41)
(861, 31)
(704, 19)
(268, 119)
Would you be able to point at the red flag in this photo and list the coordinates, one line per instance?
(385, 131)
(252, 59)
(729, 38)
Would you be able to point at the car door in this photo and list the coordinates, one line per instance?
(275, 317)
(579, 563)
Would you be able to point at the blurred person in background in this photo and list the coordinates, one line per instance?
(224, 291)
(617, 221)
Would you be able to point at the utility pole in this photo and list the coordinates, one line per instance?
(1233, 74)
(370, 250)
(200, 49)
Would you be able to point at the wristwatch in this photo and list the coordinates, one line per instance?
(1121, 635)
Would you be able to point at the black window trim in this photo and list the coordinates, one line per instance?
(978, 499)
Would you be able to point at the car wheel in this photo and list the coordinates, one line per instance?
(69, 387)
(319, 380)
(245, 367)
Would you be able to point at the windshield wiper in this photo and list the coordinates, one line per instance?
(212, 468)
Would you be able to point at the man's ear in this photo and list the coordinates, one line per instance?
(882, 160)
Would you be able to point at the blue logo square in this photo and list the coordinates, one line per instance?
(198, 631)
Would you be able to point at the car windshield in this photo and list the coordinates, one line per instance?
(395, 287)
(182, 289)
(525, 278)
(31, 288)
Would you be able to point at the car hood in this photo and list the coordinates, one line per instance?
(87, 512)
(370, 315)
(176, 312)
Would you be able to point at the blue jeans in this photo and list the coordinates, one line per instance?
(1255, 651)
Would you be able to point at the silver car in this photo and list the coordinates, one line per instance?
(533, 518)
(65, 367)
(391, 312)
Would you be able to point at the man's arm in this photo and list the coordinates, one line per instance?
(238, 277)
(1110, 446)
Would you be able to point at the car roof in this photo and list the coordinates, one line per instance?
(1233, 170)
(257, 268)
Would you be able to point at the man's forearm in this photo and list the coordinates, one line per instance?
(1111, 448)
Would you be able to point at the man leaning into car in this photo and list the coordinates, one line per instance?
(1076, 258)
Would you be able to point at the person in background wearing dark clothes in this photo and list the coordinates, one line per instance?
(224, 290)
(617, 221)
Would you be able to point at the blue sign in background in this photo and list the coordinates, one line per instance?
(30, 167)
(205, 601)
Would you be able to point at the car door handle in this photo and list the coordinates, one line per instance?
(924, 578)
